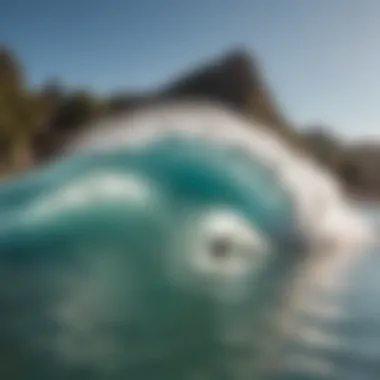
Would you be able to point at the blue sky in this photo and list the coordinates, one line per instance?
(321, 57)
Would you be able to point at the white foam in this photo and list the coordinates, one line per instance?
(92, 189)
(247, 244)
(323, 212)
(335, 231)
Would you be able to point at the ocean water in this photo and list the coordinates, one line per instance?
(361, 357)
(343, 344)
(371, 210)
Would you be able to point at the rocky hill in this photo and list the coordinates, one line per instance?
(236, 80)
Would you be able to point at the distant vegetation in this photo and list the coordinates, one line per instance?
(34, 124)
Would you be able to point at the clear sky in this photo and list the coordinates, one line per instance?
(321, 57)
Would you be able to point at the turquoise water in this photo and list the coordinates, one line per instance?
(130, 312)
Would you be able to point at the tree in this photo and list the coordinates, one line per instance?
(75, 110)
(11, 76)
(21, 113)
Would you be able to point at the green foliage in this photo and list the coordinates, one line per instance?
(11, 77)
(76, 110)
(52, 95)
(21, 113)
(26, 115)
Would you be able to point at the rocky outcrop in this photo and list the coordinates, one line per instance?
(235, 80)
